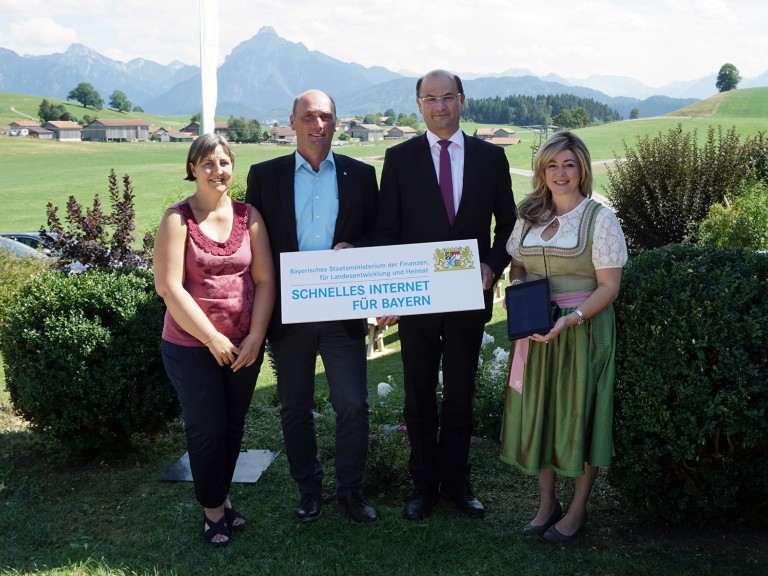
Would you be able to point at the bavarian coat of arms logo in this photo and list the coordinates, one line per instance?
(453, 258)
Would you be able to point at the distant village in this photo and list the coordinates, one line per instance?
(128, 130)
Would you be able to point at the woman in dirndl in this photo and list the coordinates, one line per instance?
(558, 413)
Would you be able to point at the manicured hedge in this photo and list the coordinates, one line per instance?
(692, 384)
(82, 357)
(14, 272)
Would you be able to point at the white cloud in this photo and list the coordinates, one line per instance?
(41, 34)
(655, 41)
(715, 9)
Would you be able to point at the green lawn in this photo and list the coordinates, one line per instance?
(115, 517)
(37, 172)
(747, 103)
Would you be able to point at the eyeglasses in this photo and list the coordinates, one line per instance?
(448, 99)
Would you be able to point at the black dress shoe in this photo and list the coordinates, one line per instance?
(539, 529)
(464, 500)
(358, 509)
(419, 504)
(309, 507)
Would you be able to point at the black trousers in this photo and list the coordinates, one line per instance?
(214, 401)
(344, 358)
(440, 439)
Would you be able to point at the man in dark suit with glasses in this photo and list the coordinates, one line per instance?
(444, 186)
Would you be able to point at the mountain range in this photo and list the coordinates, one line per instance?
(262, 75)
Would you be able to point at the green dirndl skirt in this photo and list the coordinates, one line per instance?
(564, 416)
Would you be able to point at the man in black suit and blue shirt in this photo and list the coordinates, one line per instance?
(444, 186)
(317, 200)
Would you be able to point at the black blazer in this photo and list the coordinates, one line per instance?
(270, 191)
(411, 208)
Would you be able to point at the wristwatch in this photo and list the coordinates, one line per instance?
(580, 314)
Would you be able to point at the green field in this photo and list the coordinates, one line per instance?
(27, 105)
(114, 518)
(37, 172)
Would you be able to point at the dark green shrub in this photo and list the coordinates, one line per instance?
(83, 362)
(757, 156)
(386, 470)
(664, 187)
(14, 272)
(692, 384)
(742, 223)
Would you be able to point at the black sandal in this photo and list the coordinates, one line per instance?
(232, 514)
(214, 529)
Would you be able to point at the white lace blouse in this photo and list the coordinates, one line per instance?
(609, 249)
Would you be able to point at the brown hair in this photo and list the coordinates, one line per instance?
(204, 147)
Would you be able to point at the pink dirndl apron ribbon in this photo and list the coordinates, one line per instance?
(520, 357)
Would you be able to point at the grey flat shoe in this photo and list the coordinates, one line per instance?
(556, 537)
(539, 529)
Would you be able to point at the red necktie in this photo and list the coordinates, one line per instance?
(446, 179)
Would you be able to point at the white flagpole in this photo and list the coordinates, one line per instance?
(209, 44)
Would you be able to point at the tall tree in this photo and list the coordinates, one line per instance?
(119, 101)
(48, 111)
(87, 96)
(576, 118)
(242, 130)
(728, 78)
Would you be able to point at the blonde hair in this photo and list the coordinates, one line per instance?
(537, 208)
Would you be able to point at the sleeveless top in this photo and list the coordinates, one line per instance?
(217, 275)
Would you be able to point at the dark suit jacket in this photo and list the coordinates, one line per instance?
(270, 190)
(411, 208)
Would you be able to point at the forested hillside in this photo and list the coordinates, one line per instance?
(531, 110)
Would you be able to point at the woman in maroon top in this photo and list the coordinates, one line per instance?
(214, 270)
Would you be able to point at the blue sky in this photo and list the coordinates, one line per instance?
(654, 41)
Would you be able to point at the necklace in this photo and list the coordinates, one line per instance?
(550, 230)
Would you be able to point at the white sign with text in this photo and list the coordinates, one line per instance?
(380, 281)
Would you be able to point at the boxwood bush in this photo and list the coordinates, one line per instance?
(14, 272)
(692, 384)
(82, 358)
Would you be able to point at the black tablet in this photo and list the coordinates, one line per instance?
(529, 309)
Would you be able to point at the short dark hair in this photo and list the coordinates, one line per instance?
(454, 77)
(203, 147)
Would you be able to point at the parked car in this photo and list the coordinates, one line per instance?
(31, 239)
(19, 250)
(32, 244)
